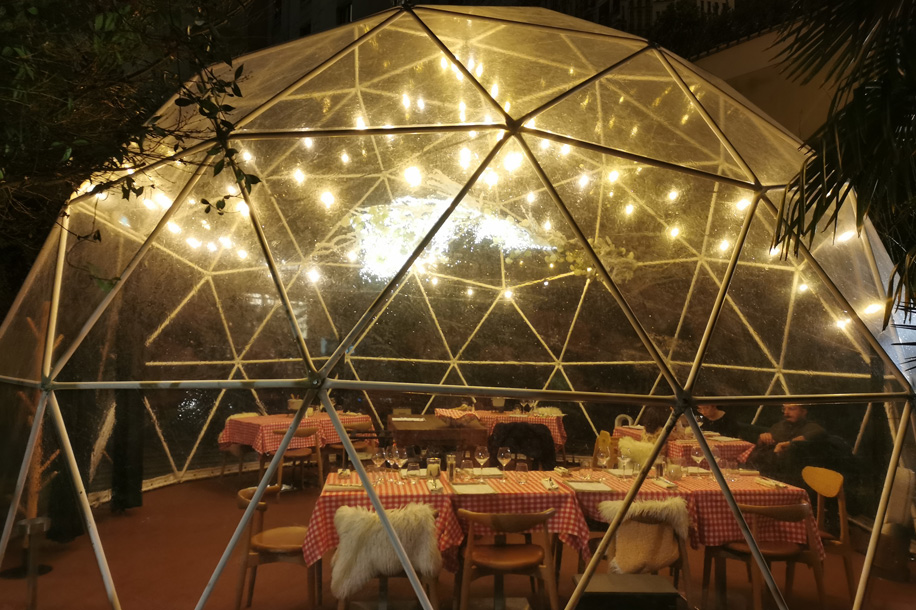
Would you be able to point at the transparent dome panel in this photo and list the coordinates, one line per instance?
(396, 77)
(16, 419)
(772, 155)
(503, 57)
(639, 108)
(665, 237)
(533, 15)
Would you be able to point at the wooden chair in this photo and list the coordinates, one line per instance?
(789, 552)
(297, 458)
(829, 484)
(502, 558)
(365, 548)
(237, 450)
(359, 434)
(278, 544)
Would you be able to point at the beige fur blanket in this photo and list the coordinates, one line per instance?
(365, 551)
(646, 540)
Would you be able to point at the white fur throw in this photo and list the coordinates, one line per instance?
(639, 451)
(645, 541)
(365, 551)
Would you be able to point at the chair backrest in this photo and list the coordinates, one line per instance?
(828, 483)
(241, 415)
(365, 551)
(792, 513)
(300, 432)
(534, 440)
(623, 420)
(652, 535)
(508, 523)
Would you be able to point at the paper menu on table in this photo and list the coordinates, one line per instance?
(472, 488)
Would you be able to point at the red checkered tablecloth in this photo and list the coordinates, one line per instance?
(456, 414)
(637, 432)
(554, 423)
(533, 497)
(711, 520)
(681, 449)
(259, 432)
(322, 537)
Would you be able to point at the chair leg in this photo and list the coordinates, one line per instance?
(223, 467)
(465, 589)
(757, 589)
(790, 578)
(721, 575)
(432, 589)
(551, 585)
(707, 564)
(319, 584)
(240, 588)
(499, 592)
(241, 463)
(818, 566)
(850, 580)
(254, 576)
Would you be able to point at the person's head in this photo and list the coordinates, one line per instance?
(654, 418)
(709, 411)
(794, 413)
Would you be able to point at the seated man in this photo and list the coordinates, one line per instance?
(773, 454)
(716, 420)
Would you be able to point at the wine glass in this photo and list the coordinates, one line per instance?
(482, 455)
(504, 456)
(402, 458)
(697, 454)
(391, 456)
(624, 460)
(601, 457)
(413, 472)
(378, 458)
(522, 469)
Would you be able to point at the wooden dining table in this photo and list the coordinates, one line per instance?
(682, 449)
(430, 431)
(260, 432)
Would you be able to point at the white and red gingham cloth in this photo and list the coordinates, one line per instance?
(322, 537)
(491, 418)
(511, 497)
(681, 449)
(711, 520)
(259, 432)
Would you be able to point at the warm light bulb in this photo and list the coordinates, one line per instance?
(247, 156)
(674, 232)
(874, 308)
(327, 199)
(405, 100)
(351, 256)
(211, 247)
(148, 203)
(307, 142)
(421, 104)
(531, 197)
(413, 176)
(613, 176)
(101, 195)
(205, 224)
(545, 144)
(803, 287)
(225, 241)
(242, 254)
(242, 207)
(547, 226)
(494, 90)
(345, 158)
(842, 323)
(232, 190)
(724, 245)
(743, 204)
(435, 281)
(512, 162)
(174, 228)
(530, 124)
(360, 123)
(846, 236)
(629, 209)
(672, 195)
(470, 292)
(194, 243)
(490, 177)
(564, 149)
(479, 70)
(298, 176)
(583, 181)
(774, 251)
(443, 63)
(163, 201)
(464, 157)
(508, 294)
(313, 275)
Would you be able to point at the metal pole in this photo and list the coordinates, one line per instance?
(865, 419)
(618, 519)
(23, 474)
(83, 501)
(882, 508)
(253, 504)
(733, 504)
(376, 501)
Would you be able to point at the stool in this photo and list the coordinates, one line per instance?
(643, 591)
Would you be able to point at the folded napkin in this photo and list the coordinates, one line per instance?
(663, 482)
(587, 485)
(473, 488)
(769, 482)
(696, 470)
(549, 484)
(408, 419)
(747, 473)
(341, 487)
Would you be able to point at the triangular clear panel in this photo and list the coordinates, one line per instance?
(397, 77)
(512, 62)
(771, 154)
(639, 108)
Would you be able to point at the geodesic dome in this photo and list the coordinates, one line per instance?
(453, 202)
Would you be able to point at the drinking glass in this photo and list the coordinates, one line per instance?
(624, 461)
(482, 455)
(697, 454)
(378, 458)
(391, 457)
(402, 459)
(674, 471)
(521, 468)
(433, 467)
(602, 456)
(413, 472)
(467, 470)
(504, 456)
(585, 468)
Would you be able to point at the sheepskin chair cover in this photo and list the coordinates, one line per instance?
(365, 552)
(639, 451)
(645, 541)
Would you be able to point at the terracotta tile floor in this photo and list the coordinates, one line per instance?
(163, 554)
